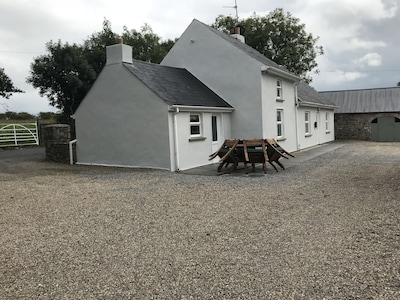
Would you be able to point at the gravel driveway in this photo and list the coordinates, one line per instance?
(328, 228)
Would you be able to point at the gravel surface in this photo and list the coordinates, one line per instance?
(328, 228)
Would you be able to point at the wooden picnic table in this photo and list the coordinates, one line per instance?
(235, 151)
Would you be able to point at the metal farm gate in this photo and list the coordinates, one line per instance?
(18, 134)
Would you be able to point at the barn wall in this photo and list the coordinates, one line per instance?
(357, 126)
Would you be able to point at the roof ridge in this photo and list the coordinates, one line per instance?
(358, 90)
(245, 48)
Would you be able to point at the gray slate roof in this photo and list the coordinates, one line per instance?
(366, 101)
(308, 94)
(176, 86)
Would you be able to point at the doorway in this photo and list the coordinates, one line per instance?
(216, 133)
(385, 129)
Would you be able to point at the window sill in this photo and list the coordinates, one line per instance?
(308, 135)
(327, 132)
(197, 138)
(279, 100)
(280, 139)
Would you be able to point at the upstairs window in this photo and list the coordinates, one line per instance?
(278, 89)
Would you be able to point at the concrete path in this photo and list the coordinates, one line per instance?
(38, 154)
(301, 156)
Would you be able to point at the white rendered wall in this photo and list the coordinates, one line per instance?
(188, 152)
(226, 70)
(122, 123)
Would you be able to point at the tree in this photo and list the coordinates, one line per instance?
(65, 74)
(147, 46)
(281, 38)
(7, 87)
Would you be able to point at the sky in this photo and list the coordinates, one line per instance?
(361, 39)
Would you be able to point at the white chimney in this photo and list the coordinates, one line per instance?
(118, 53)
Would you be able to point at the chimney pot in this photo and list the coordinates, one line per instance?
(237, 33)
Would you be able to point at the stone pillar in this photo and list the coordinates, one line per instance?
(56, 139)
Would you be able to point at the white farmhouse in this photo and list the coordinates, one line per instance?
(210, 87)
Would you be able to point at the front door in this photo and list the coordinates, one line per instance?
(216, 134)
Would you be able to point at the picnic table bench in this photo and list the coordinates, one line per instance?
(235, 151)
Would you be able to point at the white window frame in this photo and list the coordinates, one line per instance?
(280, 128)
(195, 123)
(279, 89)
(327, 122)
(307, 123)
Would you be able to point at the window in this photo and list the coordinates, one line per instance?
(327, 122)
(307, 123)
(195, 125)
(278, 89)
(279, 123)
(214, 128)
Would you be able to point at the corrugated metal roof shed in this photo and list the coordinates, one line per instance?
(366, 101)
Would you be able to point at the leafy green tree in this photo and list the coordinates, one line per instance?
(280, 37)
(147, 46)
(94, 47)
(65, 74)
(48, 115)
(7, 87)
(25, 116)
(11, 115)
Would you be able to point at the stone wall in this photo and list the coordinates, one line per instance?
(56, 140)
(356, 126)
(352, 126)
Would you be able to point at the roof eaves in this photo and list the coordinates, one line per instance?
(313, 104)
(194, 108)
(280, 73)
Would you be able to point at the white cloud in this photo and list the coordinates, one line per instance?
(370, 59)
(352, 32)
(337, 79)
(356, 43)
(340, 23)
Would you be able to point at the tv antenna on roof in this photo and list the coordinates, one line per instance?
(236, 9)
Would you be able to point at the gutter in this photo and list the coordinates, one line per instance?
(318, 105)
(278, 72)
(176, 143)
(296, 114)
(179, 108)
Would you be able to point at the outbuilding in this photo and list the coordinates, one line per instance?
(367, 114)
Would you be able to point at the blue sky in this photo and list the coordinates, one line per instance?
(361, 39)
